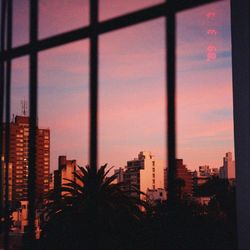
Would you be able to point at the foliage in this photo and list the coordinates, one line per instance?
(223, 197)
(179, 185)
(92, 213)
(187, 225)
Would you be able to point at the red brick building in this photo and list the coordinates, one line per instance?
(184, 174)
(184, 178)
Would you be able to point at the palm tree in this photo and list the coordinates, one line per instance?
(91, 213)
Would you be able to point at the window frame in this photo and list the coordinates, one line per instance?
(167, 9)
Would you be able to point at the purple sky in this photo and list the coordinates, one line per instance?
(132, 83)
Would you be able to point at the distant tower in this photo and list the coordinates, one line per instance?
(24, 107)
(227, 171)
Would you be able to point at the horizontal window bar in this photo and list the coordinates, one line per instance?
(103, 27)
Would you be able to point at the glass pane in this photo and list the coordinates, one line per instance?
(59, 16)
(114, 8)
(132, 100)
(63, 101)
(204, 72)
(20, 87)
(19, 124)
(20, 22)
(205, 141)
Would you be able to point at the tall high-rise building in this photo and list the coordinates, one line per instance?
(227, 171)
(19, 153)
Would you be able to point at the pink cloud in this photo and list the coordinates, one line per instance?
(131, 121)
(72, 58)
(130, 67)
(200, 139)
(202, 97)
(20, 69)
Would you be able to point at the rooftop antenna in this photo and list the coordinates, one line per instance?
(24, 107)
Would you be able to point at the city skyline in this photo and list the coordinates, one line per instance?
(132, 108)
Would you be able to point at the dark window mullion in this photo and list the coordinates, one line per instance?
(33, 69)
(113, 24)
(93, 83)
(171, 81)
(7, 120)
(2, 83)
(181, 5)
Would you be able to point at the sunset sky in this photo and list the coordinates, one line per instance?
(132, 108)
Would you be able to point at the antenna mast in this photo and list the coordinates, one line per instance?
(24, 107)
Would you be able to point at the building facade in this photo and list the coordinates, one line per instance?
(204, 174)
(141, 174)
(184, 179)
(10, 177)
(19, 153)
(65, 171)
(227, 171)
(119, 175)
(156, 195)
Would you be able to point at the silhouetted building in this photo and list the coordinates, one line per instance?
(20, 220)
(19, 153)
(184, 178)
(183, 173)
(204, 174)
(204, 171)
(156, 195)
(200, 180)
(119, 175)
(51, 181)
(215, 172)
